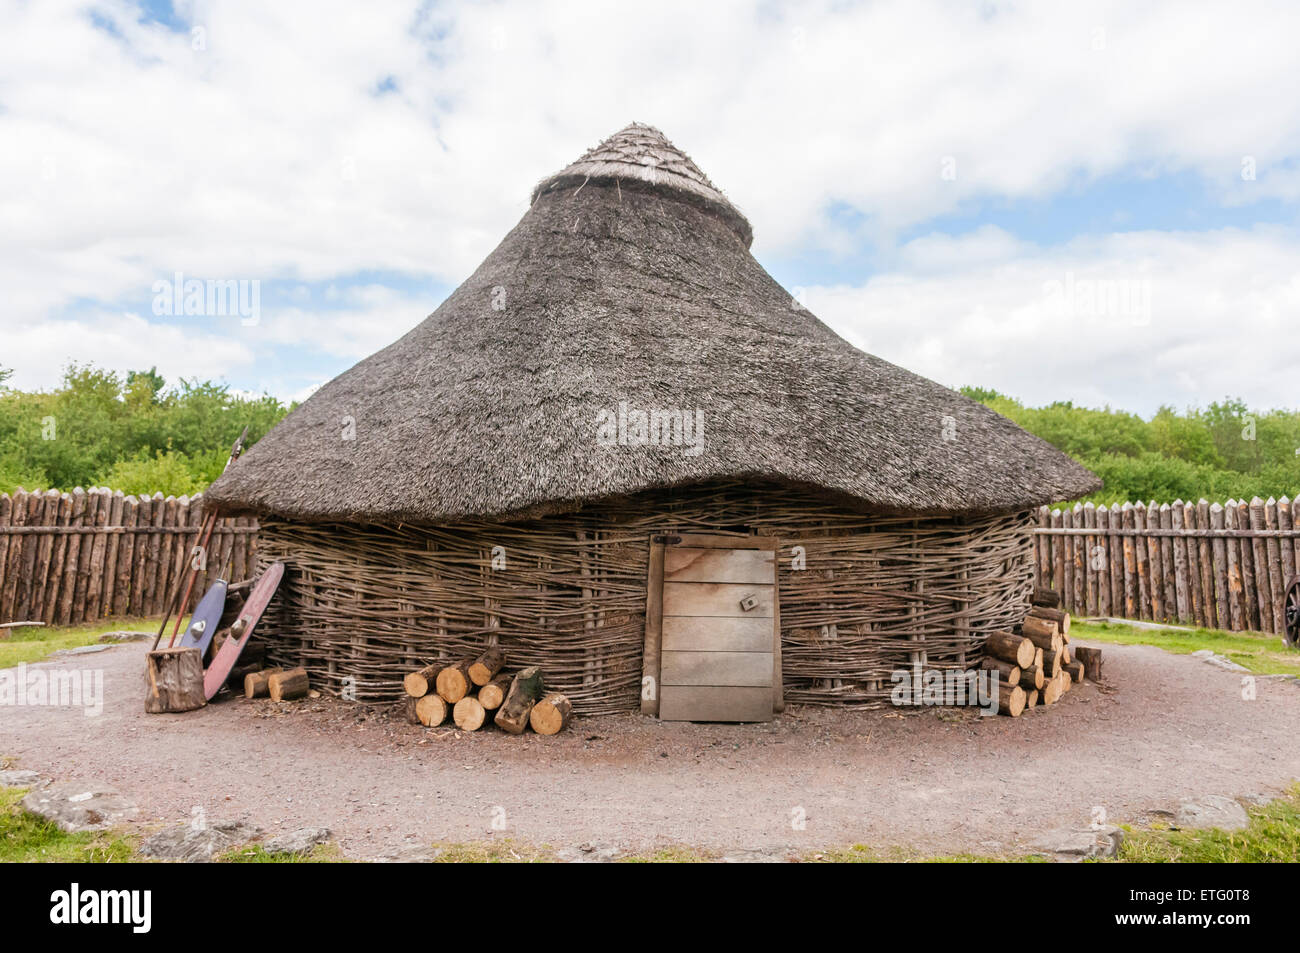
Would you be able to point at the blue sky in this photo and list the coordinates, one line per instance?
(926, 176)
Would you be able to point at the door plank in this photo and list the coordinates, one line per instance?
(717, 668)
(697, 634)
(711, 703)
(720, 541)
(754, 566)
(716, 599)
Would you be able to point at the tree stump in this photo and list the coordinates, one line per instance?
(174, 680)
(1091, 659)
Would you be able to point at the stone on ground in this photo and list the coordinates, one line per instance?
(1080, 844)
(587, 854)
(198, 845)
(79, 806)
(19, 779)
(1211, 810)
(297, 842)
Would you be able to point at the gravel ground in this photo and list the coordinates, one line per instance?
(1164, 727)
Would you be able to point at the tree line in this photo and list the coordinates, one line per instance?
(138, 433)
(1225, 450)
(133, 432)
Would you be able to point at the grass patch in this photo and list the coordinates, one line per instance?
(677, 854)
(256, 854)
(862, 854)
(505, 851)
(35, 643)
(1272, 837)
(27, 839)
(1262, 654)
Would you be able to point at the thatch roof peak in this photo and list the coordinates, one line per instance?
(640, 156)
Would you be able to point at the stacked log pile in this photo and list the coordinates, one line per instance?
(1035, 662)
(477, 692)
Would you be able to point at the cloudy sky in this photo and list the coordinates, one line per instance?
(1098, 202)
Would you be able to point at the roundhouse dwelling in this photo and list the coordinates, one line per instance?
(621, 451)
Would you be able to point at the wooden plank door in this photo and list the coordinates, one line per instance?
(712, 629)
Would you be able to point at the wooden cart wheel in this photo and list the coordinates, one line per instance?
(1291, 612)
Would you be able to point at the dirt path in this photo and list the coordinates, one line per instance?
(1170, 726)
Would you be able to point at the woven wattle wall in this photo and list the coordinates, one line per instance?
(362, 605)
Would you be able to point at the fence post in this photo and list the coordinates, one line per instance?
(1091, 586)
(1105, 605)
(1140, 554)
(1263, 589)
(1285, 522)
(1222, 572)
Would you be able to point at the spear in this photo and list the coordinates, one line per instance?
(209, 522)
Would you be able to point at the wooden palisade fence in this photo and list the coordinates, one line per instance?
(1216, 565)
(73, 558)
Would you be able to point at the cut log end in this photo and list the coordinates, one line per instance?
(418, 684)
(469, 714)
(485, 667)
(493, 693)
(431, 710)
(550, 715)
(1048, 598)
(453, 682)
(286, 686)
(1031, 679)
(1010, 648)
(258, 684)
(1011, 699)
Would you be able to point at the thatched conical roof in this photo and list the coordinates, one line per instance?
(628, 287)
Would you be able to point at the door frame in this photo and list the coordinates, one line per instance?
(654, 609)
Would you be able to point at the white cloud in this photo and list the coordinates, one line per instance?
(359, 321)
(266, 153)
(177, 347)
(1208, 315)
